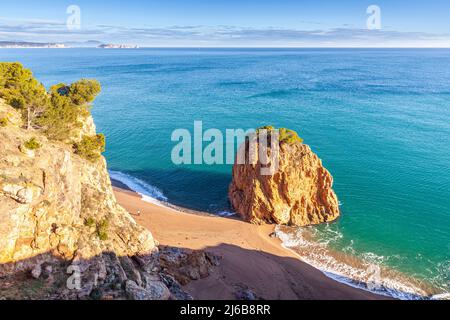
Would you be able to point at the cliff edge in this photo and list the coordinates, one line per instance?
(62, 233)
(59, 221)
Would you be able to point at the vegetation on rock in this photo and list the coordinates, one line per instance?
(32, 144)
(101, 227)
(287, 136)
(68, 106)
(3, 122)
(22, 91)
(57, 113)
(102, 230)
(90, 147)
(84, 91)
(89, 222)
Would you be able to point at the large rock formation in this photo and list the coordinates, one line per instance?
(299, 192)
(61, 225)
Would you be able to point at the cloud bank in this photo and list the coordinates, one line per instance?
(217, 36)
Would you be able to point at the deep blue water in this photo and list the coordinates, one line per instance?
(379, 119)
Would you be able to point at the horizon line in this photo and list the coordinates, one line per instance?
(230, 47)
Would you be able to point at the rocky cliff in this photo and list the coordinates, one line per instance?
(61, 229)
(299, 192)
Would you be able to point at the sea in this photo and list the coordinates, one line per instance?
(378, 118)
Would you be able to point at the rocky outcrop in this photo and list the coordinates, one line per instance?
(298, 193)
(60, 224)
(187, 265)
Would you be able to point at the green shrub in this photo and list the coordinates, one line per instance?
(61, 117)
(69, 106)
(289, 136)
(285, 135)
(83, 91)
(32, 144)
(22, 91)
(89, 222)
(57, 112)
(268, 128)
(102, 230)
(90, 147)
(3, 122)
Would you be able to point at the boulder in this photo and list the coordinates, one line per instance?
(154, 290)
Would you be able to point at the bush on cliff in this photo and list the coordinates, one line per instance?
(22, 91)
(3, 122)
(69, 104)
(61, 117)
(285, 135)
(58, 112)
(84, 91)
(89, 222)
(90, 147)
(102, 230)
(32, 144)
(289, 136)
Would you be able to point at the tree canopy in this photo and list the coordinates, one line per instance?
(58, 112)
(22, 91)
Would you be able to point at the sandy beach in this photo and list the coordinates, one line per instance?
(250, 258)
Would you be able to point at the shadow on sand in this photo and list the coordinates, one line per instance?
(241, 273)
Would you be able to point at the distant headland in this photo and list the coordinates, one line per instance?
(23, 44)
(62, 45)
(118, 46)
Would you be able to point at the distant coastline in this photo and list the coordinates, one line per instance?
(63, 45)
(118, 46)
(31, 45)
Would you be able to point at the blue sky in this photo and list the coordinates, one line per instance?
(259, 23)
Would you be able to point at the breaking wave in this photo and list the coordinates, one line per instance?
(148, 192)
(367, 271)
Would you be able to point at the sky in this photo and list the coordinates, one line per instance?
(230, 23)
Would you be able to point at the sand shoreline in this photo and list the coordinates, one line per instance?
(251, 259)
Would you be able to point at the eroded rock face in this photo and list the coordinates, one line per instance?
(59, 218)
(187, 265)
(299, 193)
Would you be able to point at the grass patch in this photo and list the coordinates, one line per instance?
(102, 229)
(3, 122)
(32, 144)
(89, 222)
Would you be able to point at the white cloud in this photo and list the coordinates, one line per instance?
(56, 31)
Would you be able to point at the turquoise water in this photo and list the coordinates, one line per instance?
(379, 119)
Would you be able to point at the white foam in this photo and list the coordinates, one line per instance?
(443, 296)
(148, 192)
(226, 214)
(317, 251)
(317, 254)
